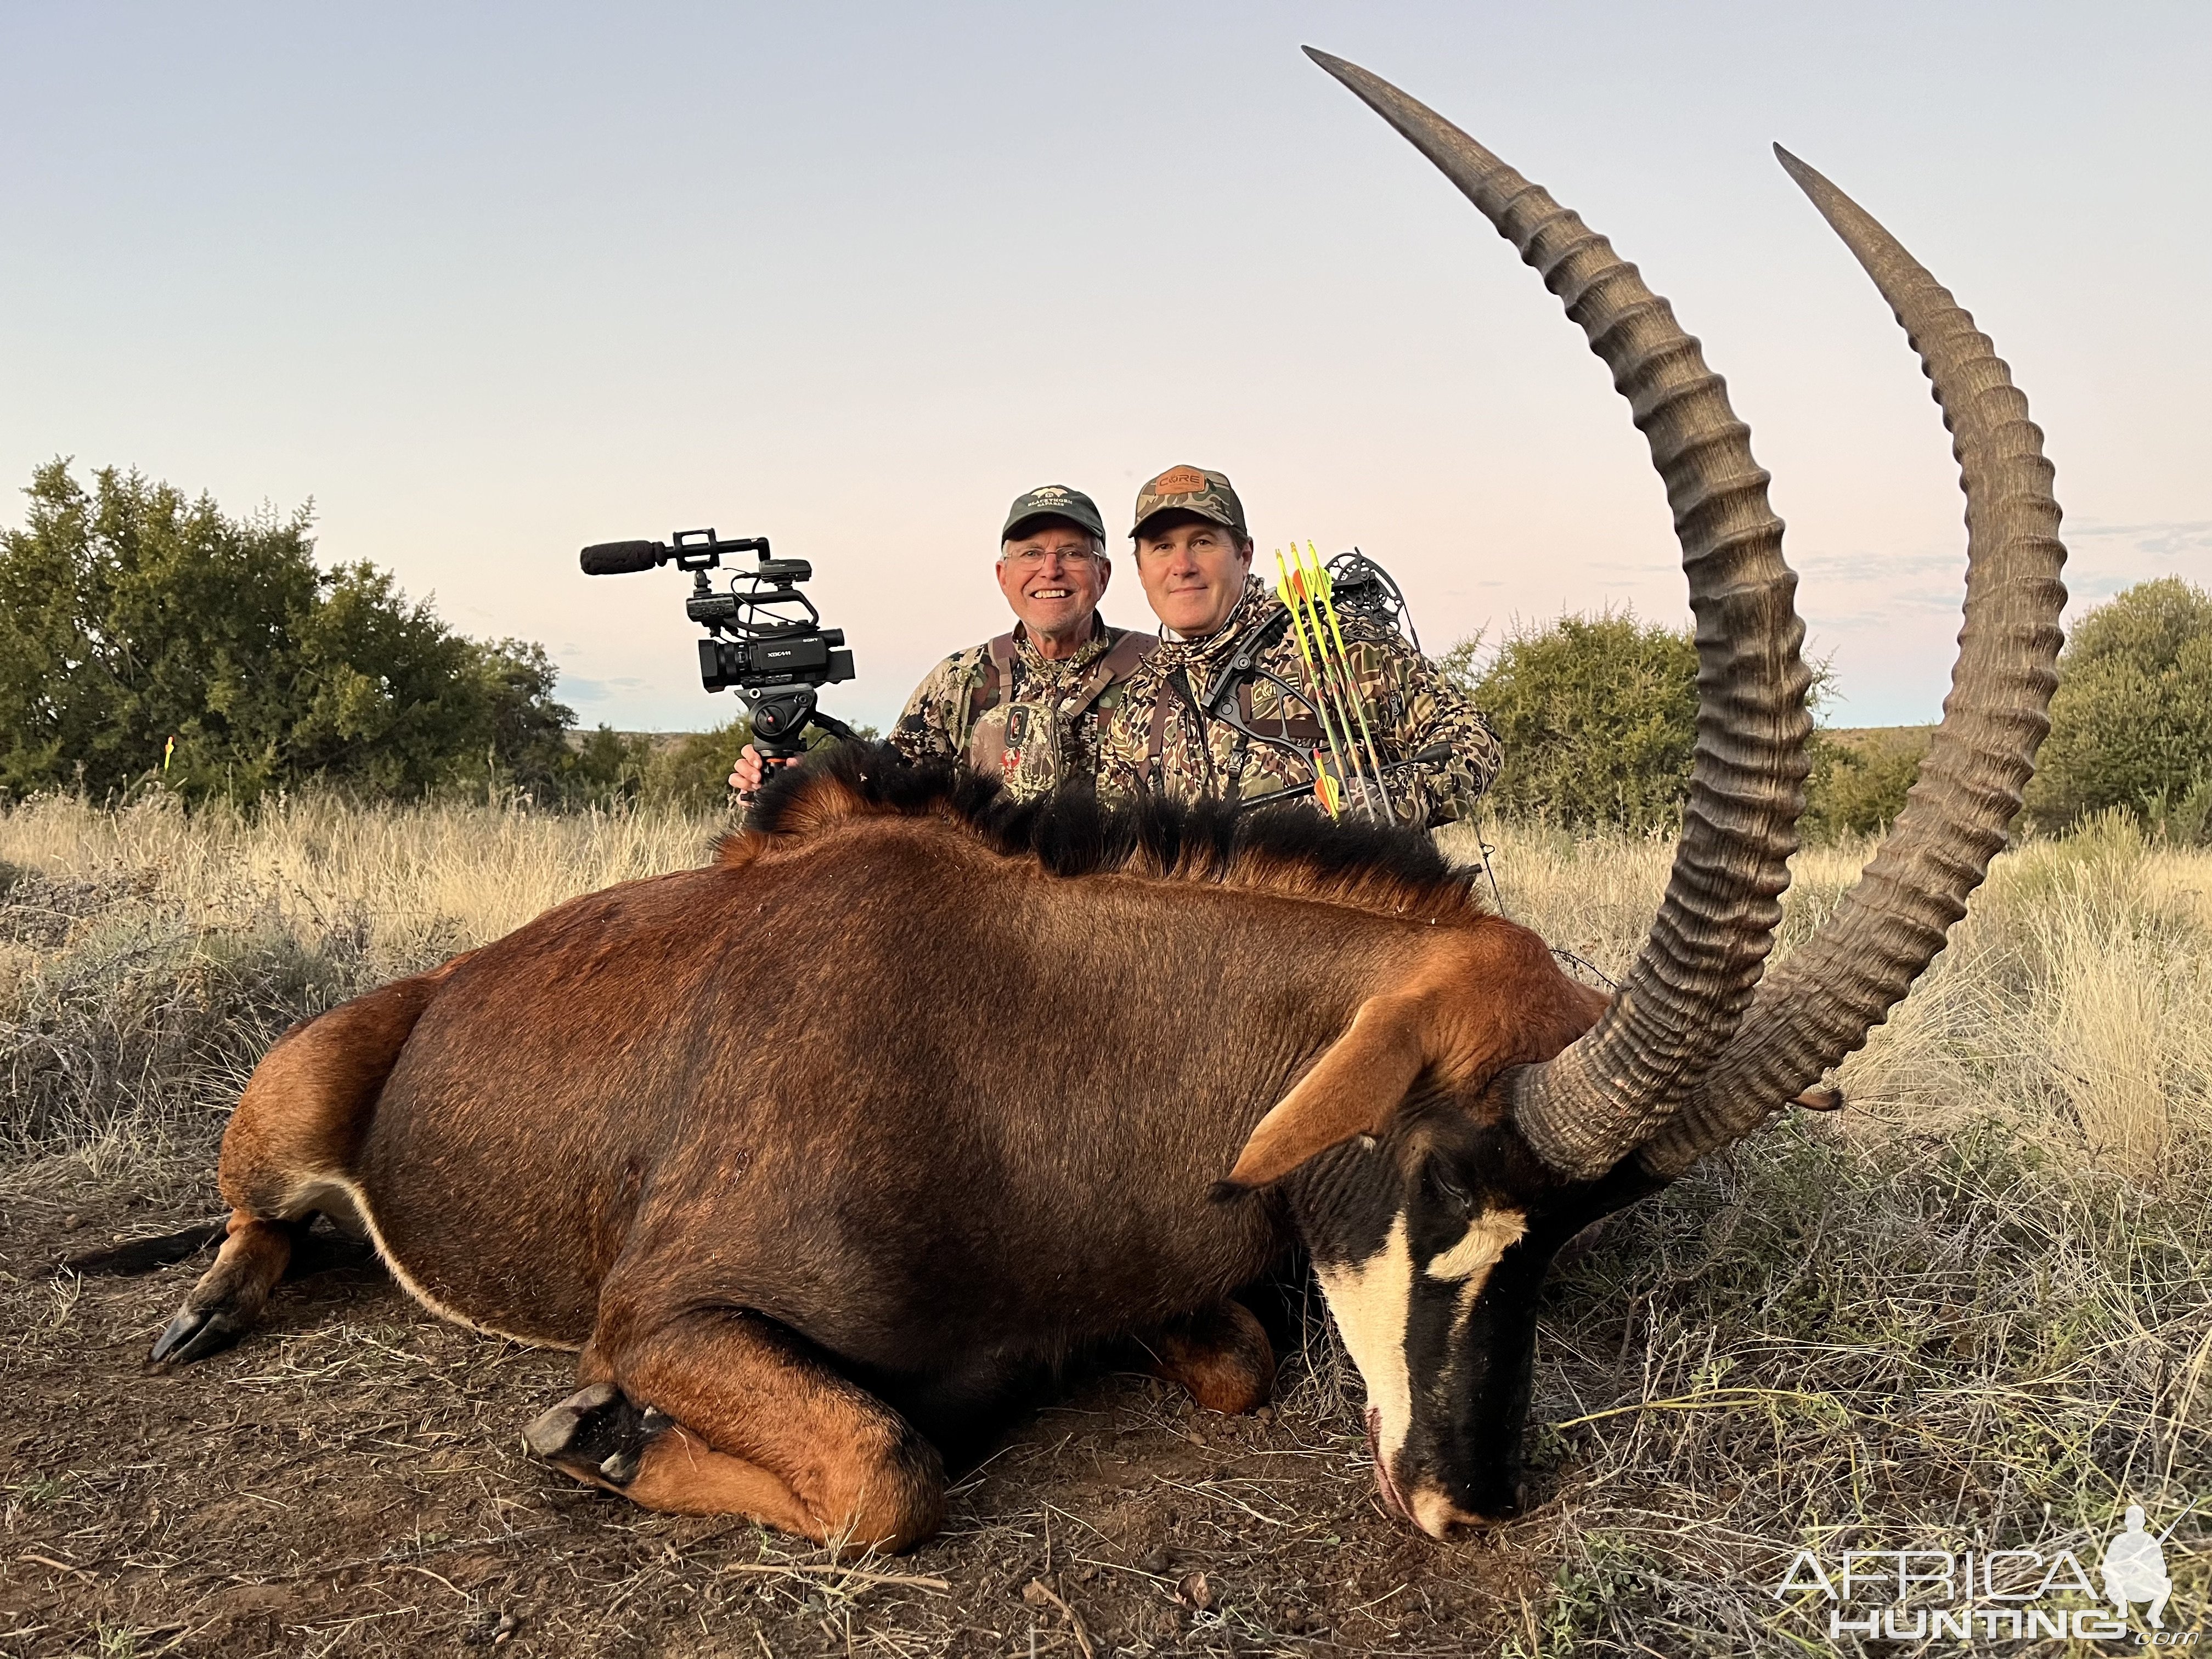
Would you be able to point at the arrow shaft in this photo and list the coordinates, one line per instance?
(1335, 716)
(1316, 693)
(1357, 705)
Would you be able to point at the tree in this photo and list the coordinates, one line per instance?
(694, 771)
(1860, 778)
(2131, 721)
(1598, 715)
(129, 617)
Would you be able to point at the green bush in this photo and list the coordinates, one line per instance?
(131, 616)
(1598, 715)
(606, 766)
(1599, 718)
(693, 772)
(2131, 723)
(1859, 779)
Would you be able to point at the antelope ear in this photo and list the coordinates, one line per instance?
(1353, 1090)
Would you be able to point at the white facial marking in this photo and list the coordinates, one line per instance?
(1373, 1302)
(1489, 1235)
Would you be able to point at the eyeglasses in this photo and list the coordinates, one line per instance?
(1028, 558)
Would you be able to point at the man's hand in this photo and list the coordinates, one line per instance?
(751, 768)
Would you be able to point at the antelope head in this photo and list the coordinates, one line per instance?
(1433, 1193)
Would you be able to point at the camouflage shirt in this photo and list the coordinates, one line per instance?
(1157, 739)
(1030, 727)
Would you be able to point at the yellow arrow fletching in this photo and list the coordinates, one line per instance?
(1310, 566)
(1324, 583)
(1313, 655)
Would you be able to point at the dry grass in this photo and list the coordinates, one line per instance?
(436, 878)
(192, 941)
(1974, 1310)
(2075, 1002)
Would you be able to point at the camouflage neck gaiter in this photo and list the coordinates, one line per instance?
(1064, 671)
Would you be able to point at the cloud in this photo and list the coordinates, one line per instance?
(1861, 567)
(2168, 538)
(1893, 609)
(608, 690)
(1857, 591)
(2082, 585)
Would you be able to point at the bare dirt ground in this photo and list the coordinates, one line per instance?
(350, 1479)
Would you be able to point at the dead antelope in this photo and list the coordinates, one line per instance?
(1010, 1080)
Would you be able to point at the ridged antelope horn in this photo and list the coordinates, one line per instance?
(1591, 1106)
(1819, 1005)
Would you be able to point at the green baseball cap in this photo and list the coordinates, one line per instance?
(1053, 502)
(1190, 490)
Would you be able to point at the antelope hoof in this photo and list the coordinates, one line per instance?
(195, 1333)
(596, 1434)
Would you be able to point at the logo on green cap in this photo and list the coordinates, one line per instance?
(1053, 502)
(1190, 490)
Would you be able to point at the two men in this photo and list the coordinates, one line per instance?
(1063, 696)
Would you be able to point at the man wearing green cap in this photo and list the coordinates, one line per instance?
(1026, 707)
(1175, 731)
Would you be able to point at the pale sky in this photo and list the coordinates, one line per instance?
(488, 283)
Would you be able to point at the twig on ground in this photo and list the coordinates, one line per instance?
(1037, 1591)
(59, 1567)
(393, 1557)
(830, 1570)
(408, 1566)
(1715, 1400)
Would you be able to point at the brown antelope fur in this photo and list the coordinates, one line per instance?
(821, 1151)
(289, 1150)
(1220, 1354)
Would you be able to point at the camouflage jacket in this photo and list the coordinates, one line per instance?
(1156, 739)
(1007, 711)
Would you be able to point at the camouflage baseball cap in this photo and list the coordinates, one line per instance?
(1190, 490)
(1053, 502)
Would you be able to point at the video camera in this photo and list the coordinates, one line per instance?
(765, 637)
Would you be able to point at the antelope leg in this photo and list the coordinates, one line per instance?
(1221, 1354)
(231, 1294)
(722, 1411)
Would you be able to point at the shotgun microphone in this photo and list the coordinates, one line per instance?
(620, 558)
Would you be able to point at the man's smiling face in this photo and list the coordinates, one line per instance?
(1193, 570)
(1052, 576)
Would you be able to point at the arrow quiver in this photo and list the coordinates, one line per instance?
(1361, 588)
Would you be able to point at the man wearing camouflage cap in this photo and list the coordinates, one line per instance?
(1026, 707)
(1194, 559)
